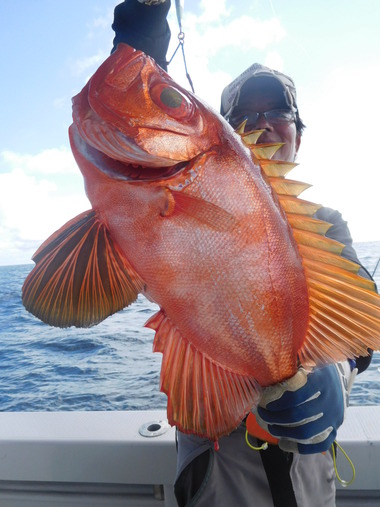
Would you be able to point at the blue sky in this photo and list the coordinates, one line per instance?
(50, 48)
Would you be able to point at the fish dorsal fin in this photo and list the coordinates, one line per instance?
(81, 276)
(344, 317)
(276, 168)
(265, 151)
(283, 186)
(203, 397)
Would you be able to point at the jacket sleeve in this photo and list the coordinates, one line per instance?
(340, 232)
(143, 27)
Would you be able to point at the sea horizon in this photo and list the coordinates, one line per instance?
(110, 366)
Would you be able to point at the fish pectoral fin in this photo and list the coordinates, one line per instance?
(204, 398)
(204, 211)
(81, 276)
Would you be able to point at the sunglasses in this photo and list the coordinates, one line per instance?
(274, 116)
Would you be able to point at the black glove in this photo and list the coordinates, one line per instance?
(143, 27)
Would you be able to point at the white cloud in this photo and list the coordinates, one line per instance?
(274, 60)
(33, 207)
(33, 203)
(338, 152)
(213, 32)
(98, 35)
(60, 103)
(213, 10)
(49, 161)
(101, 22)
(244, 33)
(89, 64)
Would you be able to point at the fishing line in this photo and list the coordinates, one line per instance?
(342, 481)
(377, 265)
(273, 9)
(179, 6)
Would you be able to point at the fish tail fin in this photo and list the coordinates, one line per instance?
(203, 397)
(344, 316)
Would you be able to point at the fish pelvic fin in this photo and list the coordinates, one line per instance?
(344, 315)
(81, 276)
(205, 212)
(203, 397)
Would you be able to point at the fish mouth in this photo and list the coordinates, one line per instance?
(135, 172)
(124, 170)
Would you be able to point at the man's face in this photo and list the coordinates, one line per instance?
(266, 99)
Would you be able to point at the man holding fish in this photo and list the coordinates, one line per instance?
(261, 296)
(304, 412)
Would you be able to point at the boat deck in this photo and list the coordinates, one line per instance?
(75, 459)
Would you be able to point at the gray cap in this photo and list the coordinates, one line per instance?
(231, 93)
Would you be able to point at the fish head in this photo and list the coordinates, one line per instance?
(133, 122)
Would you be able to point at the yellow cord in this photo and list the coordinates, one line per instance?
(342, 481)
(261, 448)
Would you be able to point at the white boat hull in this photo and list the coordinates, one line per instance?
(74, 459)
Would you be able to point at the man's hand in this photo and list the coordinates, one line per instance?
(305, 411)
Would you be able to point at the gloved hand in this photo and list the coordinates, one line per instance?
(142, 24)
(305, 411)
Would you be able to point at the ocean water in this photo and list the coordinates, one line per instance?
(107, 367)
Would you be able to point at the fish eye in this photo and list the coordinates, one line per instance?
(171, 98)
(171, 101)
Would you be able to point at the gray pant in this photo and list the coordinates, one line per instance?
(235, 475)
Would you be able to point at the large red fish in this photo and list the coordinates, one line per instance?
(247, 284)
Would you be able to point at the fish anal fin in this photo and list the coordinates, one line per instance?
(204, 398)
(81, 276)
